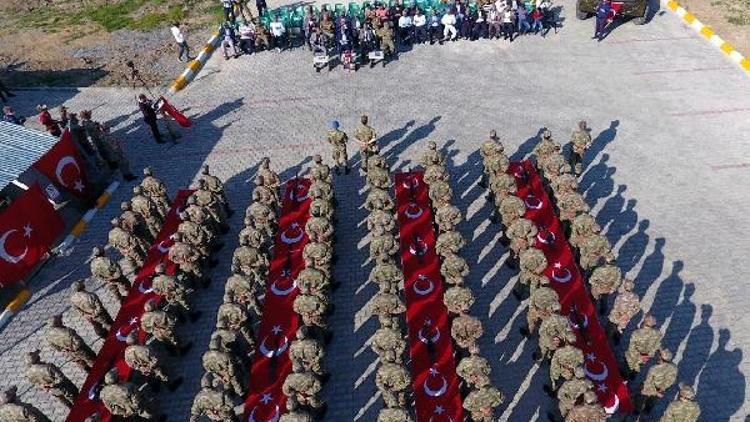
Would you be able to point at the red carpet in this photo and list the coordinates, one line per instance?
(567, 280)
(434, 378)
(111, 354)
(265, 400)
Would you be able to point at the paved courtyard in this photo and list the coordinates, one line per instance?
(667, 178)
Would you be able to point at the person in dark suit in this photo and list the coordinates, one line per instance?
(149, 116)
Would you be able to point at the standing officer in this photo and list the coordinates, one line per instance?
(580, 141)
(337, 139)
(110, 273)
(67, 341)
(367, 139)
(91, 308)
(50, 378)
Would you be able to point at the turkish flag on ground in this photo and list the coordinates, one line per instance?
(27, 229)
(64, 167)
(168, 108)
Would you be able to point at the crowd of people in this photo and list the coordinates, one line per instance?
(357, 32)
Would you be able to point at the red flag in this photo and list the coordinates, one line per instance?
(64, 167)
(27, 229)
(180, 118)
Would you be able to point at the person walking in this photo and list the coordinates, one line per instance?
(603, 10)
(149, 116)
(179, 38)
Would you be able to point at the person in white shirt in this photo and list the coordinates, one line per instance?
(179, 38)
(405, 27)
(247, 37)
(500, 6)
(508, 27)
(278, 32)
(449, 25)
(420, 30)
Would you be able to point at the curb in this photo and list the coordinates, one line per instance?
(690, 20)
(80, 226)
(14, 306)
(195, 66)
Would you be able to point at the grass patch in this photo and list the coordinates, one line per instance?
(158, 19)
(737, 12)
(112, 16)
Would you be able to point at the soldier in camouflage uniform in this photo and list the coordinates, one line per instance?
(14, 410)
(447, 217)
(224, 367)
(161, 325)
(110, 273)
(195, 236)
(229, 341)
(123, 399)
(265, 195)
(502, 185)
(379, 199)
(188, 259)
(449, 242)
(51, 379)
(593, 250)
(474, 370)
(318, 255)
(91, 308)
(432, 157)
(533, 263)
(133, 222)
(392, 379)
(627, 305)
(146, 208)
(263, 217)
(383, 247)
(522, 235)
(604, 281)
(319, 171)
(546, 147)
(543, 302)
(684, 409)
(571, 391)
(563, 364)
(589, 411)
(378, 177)
(435, 173)
(249, 261)
(68, 342)
(496, 167)
(394, 414)
(199, 215)
(377, 161)
(338, 139)
(492, 146)
(389, 344)
(580, 141)
(367, 139)
(213, 402)
(312, 310)
(216, 186)
(387, 276)
(466, 330)
(659, 379)
(387, 306)
(321, 190)
(552, 167)
(554, 332)
(563, 183)
(294, 413)
(570, 204)
(458, 299)
(440, 193)
(173, 292)
(254, 237)
(511, 209)
(128, 246)
(581, 228)
(154, 189)
(454, 269)
(270, 177)
(243, 290)
(311, 281)
(380, 222)
(481, 403)
(306, 353)
(236, 319)
(144, 360)
(211, 203)
(321, 208)
(644, 343)
(319, 229)
(303, 388)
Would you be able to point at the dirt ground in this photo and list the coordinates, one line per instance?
(728, 18)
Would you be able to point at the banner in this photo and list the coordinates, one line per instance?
(28, 227)
(64, 167)
(168, 108)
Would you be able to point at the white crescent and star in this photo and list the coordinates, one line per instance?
(269, 353)
(143, 289)
(616, 405)
(14, 259)
(410, 183)
(413, 215)
(275, 416)
(419, 244)
(566, 274)
(532, 202)
(120, 336)
(596, 376)
(440, 391)
(426, 291)
(283, 292)
(64, 162)
(544, 239)
(291, 239)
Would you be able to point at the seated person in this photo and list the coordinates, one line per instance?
(420, 27)
(247, 36)
(278, 32)
(405, 27)
(449, 25)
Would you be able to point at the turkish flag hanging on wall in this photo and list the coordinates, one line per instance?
(27, 229)
(64, 167)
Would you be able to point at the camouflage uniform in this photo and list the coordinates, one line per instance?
(447, 217)
(593, 249)
(511, 209)
(644, 343)
(242, 289)
(249, 261)
(554, 331)
(270, 177)
(389, 345)
(128, 246)
(502, 186)
(570, 205)
(124, 399)
(143, 359)
(387, 306)
(481, 403)
(434, 174)
(134, 223)
(214, 403)
(211, 203)
(265, 195)
(319, 171)
(312, 309)
(440, 193)
(580, 141)
(318, 255)
(684, 409)
(458, 299)
(156, 191)
(263, 217)
(522, 234)
(367, 139)
(200, 216)
(387, 276)
(306, 353)
(546, 147)
(572, 390)
(380, 222)
(110, 273)
(496, 166)
(303, 388)
(51, 379)
(474, 370)
(91, 308)
(385, 33)
(195, 236)
(13, 410)
(453, 269)
(533, 263)
(319, 229)
(604, 281)
(311, 281)
(394, 414)
(188, 259)
(563, 363)
(383, 247)
(321, 208)
(216, 186)
(589, 411)
(378, 162)
(68, 342)
(146, 208)
(449, 242)
(223, 366)
(159, 324)
(564, 183)
(542, 303)
(321, 190)
(553, 166)
(392, 380)
(235, 318)
(338, 139)
(379, 199)
(432, 157)
(627, 305)
(378, 177)
(659, 379)
(492, 146)
(465, 330)
(253, 237)
(582, 227)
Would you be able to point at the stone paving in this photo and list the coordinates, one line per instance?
(666, 178)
